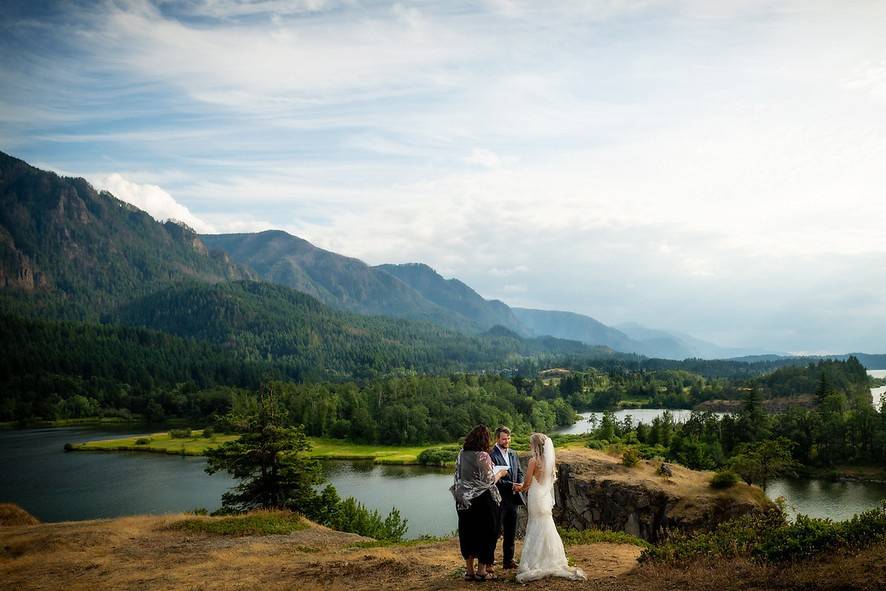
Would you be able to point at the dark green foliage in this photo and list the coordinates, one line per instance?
(143, 441)
(724, 479)
(770, 537)
(353, 516)
(630, 457)
(416, 409)
(60, 369)
(439, 456)
(761, 462)
(180, 433)
(268, 459)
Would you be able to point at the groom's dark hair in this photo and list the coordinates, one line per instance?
(501, 430)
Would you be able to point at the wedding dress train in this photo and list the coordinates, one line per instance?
(543, 553)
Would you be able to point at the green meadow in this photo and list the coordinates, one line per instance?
(196, 445)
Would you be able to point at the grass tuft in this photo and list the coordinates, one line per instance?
(258, 523)
(575, 537)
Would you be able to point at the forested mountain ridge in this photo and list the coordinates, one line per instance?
(456, 296)
(69, 251)
(350, 284)
(308, 340)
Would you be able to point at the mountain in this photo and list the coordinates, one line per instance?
(309, 340)
(69, 251)
(678, 345)
(455, 296)
(341, 282)
(569, 325)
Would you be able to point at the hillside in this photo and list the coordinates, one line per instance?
(569, 325)
(69, 251)
(338, 281)
(456, 297)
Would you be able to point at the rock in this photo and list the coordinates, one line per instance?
(665, 470)
(594, 490)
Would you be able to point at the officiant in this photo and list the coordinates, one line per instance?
(503, 455)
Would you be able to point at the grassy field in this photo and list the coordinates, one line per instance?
(327, 449)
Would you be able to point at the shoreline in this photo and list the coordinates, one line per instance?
(197, 445)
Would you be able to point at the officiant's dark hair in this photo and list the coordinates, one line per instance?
(478, 439)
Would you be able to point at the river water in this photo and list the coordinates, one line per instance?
(53, 485)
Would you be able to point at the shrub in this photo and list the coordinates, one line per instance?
(439, 456)
(180, 433)
(208, 432)
(631, 457)
(724, 479)
(353, 516)
(769, 537)
(597, 444)
(143, 441)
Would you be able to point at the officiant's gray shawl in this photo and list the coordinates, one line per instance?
(473, 477)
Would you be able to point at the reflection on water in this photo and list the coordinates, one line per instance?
(57, 486)
(420, 494)
(638, 415)
(823, 498)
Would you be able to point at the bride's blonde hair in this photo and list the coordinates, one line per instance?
(537, 445)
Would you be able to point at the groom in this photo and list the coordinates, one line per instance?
(503, 455)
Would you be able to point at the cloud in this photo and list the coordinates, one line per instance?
(717, 165)
(151, 199)
(486, 158)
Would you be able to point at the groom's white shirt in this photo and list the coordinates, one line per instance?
(505, 455)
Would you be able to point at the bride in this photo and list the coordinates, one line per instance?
(543, 554)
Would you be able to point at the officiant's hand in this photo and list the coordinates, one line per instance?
(518, 487)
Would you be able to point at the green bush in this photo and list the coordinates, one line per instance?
(724, 479)
(180, 433)
(208, 432)
(439, 456)
(631, 457)
(769, 537)
(353, 516)
(143, 441)
(597, 444)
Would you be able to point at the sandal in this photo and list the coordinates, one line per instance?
(470, 577)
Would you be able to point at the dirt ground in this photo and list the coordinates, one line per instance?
(140, 553)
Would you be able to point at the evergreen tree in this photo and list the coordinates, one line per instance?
(269, 462)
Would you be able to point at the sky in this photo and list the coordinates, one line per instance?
(716, 168)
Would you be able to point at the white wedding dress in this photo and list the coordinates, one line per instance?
(543, 554)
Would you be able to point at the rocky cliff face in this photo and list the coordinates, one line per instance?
(594, 490)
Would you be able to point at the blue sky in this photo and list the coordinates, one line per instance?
(710, 167)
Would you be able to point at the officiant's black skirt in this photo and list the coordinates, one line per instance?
(478, 528)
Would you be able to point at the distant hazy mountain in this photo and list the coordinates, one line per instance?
(72, 252)
(569, 325)
(678, 345)
(454, 295)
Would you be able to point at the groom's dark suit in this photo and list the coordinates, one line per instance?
(509, 500)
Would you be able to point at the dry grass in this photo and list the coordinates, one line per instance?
(148, 553)
(14, 515)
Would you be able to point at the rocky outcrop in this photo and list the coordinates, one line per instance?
(594, 490)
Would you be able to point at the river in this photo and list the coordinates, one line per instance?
(57, 486)
(877, 392)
